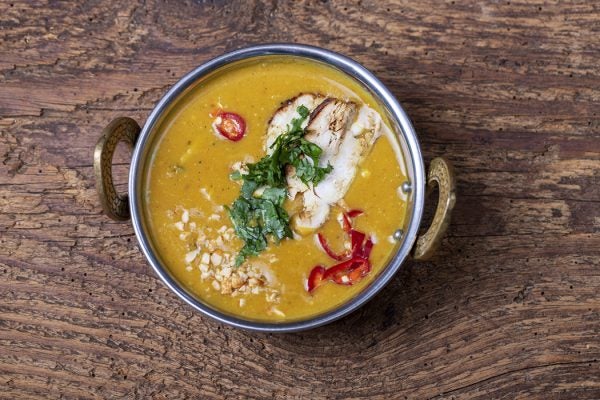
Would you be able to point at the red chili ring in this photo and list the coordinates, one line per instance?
(230, 125)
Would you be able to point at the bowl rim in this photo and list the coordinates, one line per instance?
(398, 116)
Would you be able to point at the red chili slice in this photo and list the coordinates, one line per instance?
(346, 222)
(354, 213)
(316, 277)
(347, 218)
(366, 251)
(348, 272)
(230, 125)
(327, 249)
(337, 272)
(357, 238)
(360, 271)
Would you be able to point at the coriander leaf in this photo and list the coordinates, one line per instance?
(276, 195)
(248, 189)
(303, 111)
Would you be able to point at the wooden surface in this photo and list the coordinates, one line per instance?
(507, 90)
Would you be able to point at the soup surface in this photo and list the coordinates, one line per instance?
(189, 190)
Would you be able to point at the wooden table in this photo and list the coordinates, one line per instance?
(508, 90)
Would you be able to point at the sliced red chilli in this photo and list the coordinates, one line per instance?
(348, 272)
(356, 238)
(354, 213)
(230, 125)
(315, 278)
(354, 265)
(327, 249)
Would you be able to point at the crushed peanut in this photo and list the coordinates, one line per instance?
(210, 252)
(205, 193)
(205, 258)
(189, 257)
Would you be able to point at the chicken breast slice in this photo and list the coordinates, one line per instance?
(355, 145)
(284, 115)
(346, 133)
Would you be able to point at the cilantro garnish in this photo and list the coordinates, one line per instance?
(258, 212)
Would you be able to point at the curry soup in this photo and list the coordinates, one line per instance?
(189, 188)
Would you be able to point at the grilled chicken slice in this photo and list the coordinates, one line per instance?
(356, 143)
(287, 112)
(328, 127)
(345, 132)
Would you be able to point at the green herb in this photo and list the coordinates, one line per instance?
(257, 215)
(290, 148)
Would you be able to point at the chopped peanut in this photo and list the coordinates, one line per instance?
(216, 259)
(210, 250)
(189, 257)
(205, 258)
(236, 281)
(226, 287)
(226, 272)
(185, 217)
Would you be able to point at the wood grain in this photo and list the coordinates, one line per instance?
(509, 91)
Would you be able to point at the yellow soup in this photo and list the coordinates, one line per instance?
(189, 184)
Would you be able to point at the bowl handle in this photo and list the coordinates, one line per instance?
(442, 173)
(120, 129)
